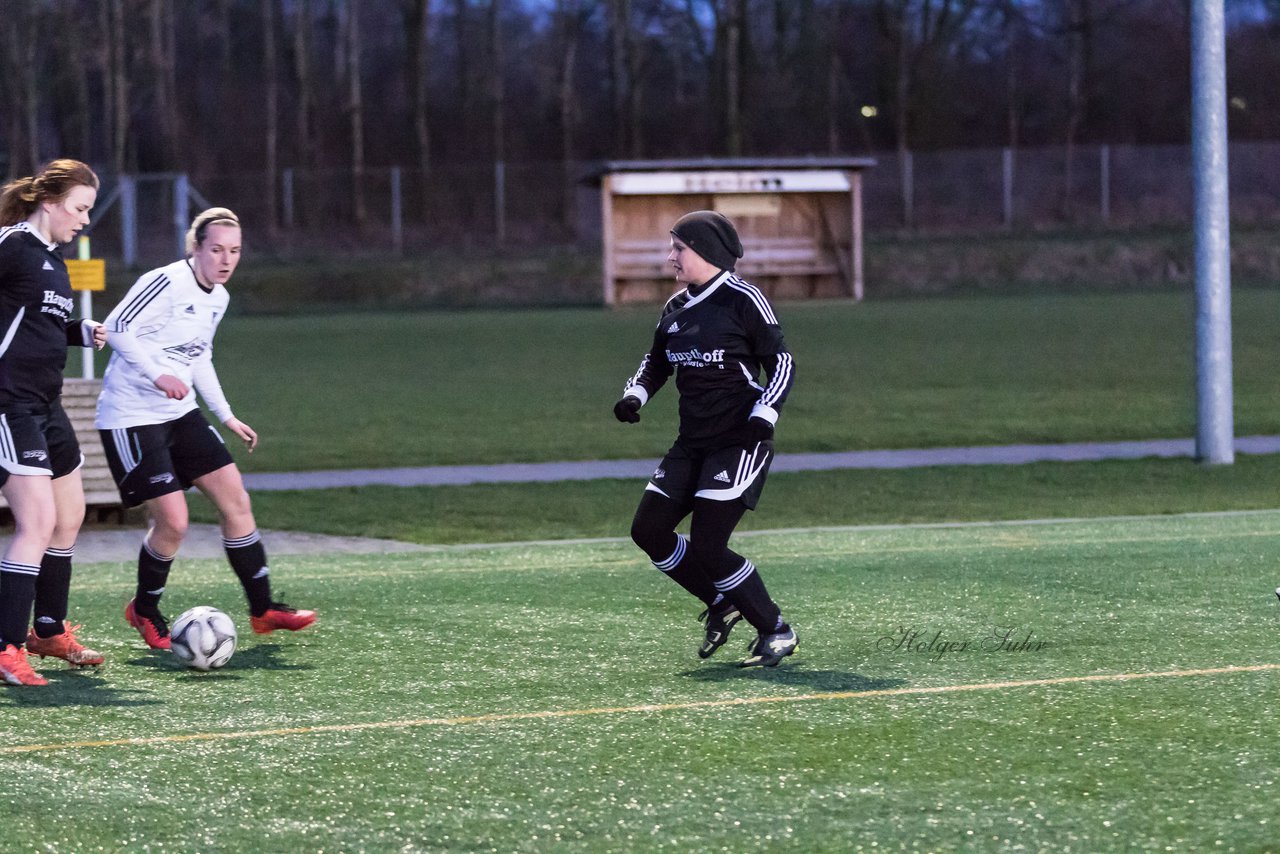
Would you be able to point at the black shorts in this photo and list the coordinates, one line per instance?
(733, 472)
(156, 459)
(40, 443)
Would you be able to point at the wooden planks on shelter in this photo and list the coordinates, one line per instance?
(800, 228)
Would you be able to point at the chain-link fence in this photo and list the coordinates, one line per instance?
(466, 205)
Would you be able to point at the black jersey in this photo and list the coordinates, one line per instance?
(718, 340)
(35, 320)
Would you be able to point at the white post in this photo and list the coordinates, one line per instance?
(86, 310)
(1215, 442)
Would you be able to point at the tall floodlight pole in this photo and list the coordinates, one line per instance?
(1214, 422)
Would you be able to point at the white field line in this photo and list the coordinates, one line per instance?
(552, 714)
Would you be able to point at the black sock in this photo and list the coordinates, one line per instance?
(52, 589)
(745, 588)
(17, 593)
(683, 569)
(153, 574)
(249, 559)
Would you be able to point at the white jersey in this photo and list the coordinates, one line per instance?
(164, 325)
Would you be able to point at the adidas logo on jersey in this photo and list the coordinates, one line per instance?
(659, 474)
(47, 266)
(723, 477)
(673, 328)
(191, 309)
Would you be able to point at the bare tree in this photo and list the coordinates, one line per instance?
(304, 110)
(355, 111)
(735, 20)
(119, 86)
(916, 31)
(416, 14)
(271, 104)
(571, 18)
(161, 60)
(623, 79)
(20, 42)
(1079, 26)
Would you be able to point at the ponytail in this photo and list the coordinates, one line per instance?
(20, 198)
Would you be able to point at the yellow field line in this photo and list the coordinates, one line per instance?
(619, 710)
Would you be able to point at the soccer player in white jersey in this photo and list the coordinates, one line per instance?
(719, 336)
(40, 457)
(159, 443)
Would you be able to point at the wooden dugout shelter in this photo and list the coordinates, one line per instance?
(799, 219)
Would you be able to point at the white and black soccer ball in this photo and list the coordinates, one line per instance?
(203, 637)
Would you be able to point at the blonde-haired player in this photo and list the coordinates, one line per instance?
(159, 443)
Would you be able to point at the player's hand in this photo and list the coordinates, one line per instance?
(244, 431)
(627, 410)
(173, 388)
(759, 430)
(99, 336)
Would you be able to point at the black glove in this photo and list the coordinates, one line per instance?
(627, 410)
(759, 430)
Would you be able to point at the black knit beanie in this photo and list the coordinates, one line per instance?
(711, 235)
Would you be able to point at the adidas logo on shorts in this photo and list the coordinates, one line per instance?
(723, 477)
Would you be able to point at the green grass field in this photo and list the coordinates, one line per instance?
(547, 697)
(396, 389)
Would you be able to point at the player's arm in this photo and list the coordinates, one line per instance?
(205, 378)
(765, 336)
(654, 371)
(86, 333)
(143, 308)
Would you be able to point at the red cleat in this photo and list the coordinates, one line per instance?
(15, 669)
(64, 646)
(281, 616)
(154, 630)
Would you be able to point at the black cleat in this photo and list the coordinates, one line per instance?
(768, 650)
(718, 626)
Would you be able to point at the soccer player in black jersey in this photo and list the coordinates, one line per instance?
(40, 458)
(719, 336)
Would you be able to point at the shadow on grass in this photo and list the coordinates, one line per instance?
(74, 687)
(784, 674)
(261, 656)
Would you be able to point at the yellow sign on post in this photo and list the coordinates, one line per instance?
(89, 275)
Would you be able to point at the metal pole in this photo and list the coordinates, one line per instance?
(181, 207)
(1214, 424)
(500, 200)
(129, 220)
(1007, 163)
(286, 191)
(397, 213)
(1104, 167)
(908, 167)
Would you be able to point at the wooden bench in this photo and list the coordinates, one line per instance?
(766, 262)
(80, 400)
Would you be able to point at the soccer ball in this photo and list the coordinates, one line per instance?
(203, 637)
